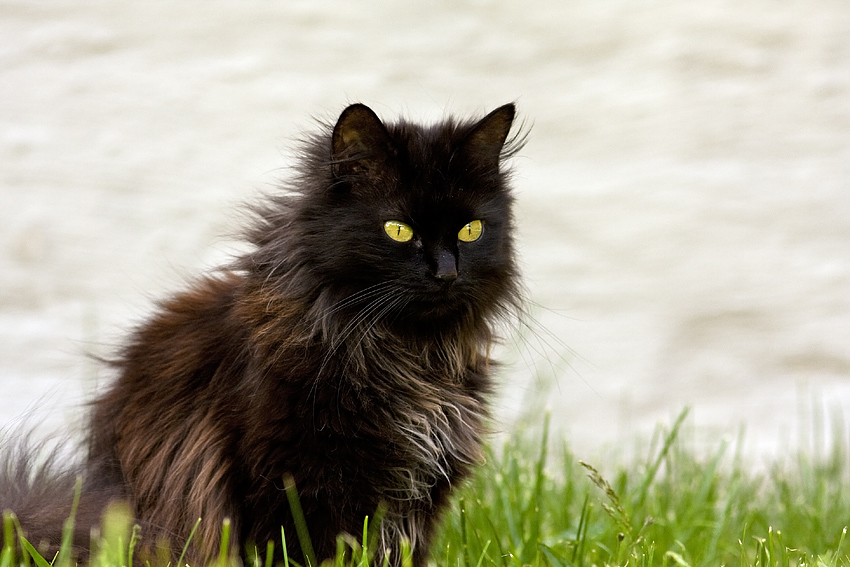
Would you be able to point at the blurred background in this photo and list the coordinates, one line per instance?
(684, 198)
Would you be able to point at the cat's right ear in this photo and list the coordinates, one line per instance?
(360, 144)
(486, 141)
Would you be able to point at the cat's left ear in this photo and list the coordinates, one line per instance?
(485, 142)
(360, 143)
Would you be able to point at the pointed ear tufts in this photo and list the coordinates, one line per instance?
(487, 138)
(360, 143)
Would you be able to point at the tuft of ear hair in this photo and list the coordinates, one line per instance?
(487, 139)
(360, 143)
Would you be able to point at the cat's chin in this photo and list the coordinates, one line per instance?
(434, 315)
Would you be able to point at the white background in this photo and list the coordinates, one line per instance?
(684, 199)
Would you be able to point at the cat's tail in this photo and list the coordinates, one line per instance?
(38, 482)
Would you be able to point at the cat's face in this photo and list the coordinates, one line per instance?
(416, 228)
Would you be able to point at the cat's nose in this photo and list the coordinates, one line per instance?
(446, 266)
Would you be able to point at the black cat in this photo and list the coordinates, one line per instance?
(349, 349)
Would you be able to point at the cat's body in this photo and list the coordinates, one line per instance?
(349, 350)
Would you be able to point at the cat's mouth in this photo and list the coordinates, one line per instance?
(441, 302)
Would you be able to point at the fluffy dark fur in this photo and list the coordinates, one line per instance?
(355, 363)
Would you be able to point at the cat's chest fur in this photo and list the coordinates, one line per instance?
(428, 407)
(426, 413)
(406, 415)
(389, 422)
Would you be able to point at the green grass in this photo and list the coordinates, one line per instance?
(535, 504)
(670, 508)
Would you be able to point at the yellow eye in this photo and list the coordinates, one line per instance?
(398, 231)
(471, 231)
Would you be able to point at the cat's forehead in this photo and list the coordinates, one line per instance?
(431, 163)
(443, 203)
(438, 186)
(435, 144)
(442, 191)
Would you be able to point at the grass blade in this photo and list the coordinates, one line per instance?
(188, 542)
(300, 522)
(33, 552)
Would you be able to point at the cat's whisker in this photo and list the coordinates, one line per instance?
(545, 338)
(555, 338)
(351, 326)
(397, 301)
(339, 339)
(389, 303)
(365, 293)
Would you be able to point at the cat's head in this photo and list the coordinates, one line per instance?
(402, 224)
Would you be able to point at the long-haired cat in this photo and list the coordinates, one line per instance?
(348, 350)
